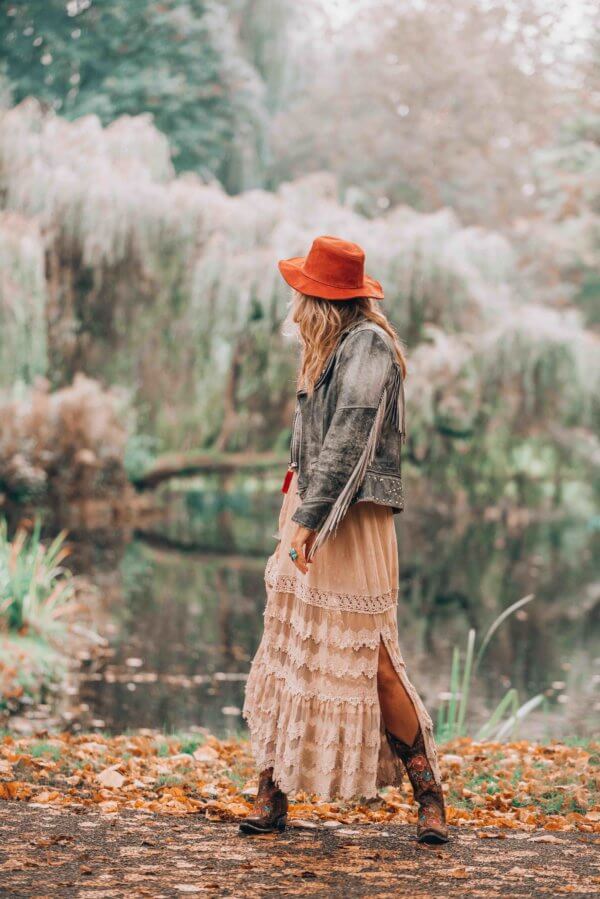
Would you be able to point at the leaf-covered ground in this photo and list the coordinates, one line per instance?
(517, 786)
(147, 815)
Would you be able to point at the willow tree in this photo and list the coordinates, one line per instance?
(169, 288)
(23, 298)
(567, 235)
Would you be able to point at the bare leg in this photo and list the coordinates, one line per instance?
(397, 707)
(406, 740)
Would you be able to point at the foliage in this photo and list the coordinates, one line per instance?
(567, 236)
(170, 285)
(273, 38)
(140, 453)
(505, 785)
(454, 708)
(30, 668)
(23, 299)
(62, 445)
(177, 61)
(433, 104)
(35, 588)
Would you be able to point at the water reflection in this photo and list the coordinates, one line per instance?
(184, 604)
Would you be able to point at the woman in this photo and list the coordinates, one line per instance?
(329, 704)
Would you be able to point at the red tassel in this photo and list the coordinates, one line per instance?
(287, 480)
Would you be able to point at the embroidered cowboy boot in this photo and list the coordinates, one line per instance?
(431, 825)
(270, 807)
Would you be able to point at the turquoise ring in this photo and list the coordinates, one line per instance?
(293, 554)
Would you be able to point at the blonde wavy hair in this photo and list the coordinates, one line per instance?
(320, 323)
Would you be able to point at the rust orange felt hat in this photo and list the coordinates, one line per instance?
(334, 270)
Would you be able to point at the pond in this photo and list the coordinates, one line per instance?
(181, 604)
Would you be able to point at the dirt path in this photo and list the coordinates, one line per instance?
(51, 852)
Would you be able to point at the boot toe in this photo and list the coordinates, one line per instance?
(433, 837)
(258, 825)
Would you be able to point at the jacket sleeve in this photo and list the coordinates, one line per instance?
(362, 370)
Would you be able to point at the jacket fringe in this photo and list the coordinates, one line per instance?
(396, 411)
(390, 407)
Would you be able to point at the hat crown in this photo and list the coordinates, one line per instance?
(336, 262)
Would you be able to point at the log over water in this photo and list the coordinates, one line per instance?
(174, 465)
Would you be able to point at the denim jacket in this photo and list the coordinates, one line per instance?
(347, 436)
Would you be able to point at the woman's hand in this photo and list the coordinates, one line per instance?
(302, 539)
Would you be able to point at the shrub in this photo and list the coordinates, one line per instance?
(62, 445)
(35, 589)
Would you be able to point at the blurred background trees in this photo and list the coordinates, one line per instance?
(452, 125)
(157, 158)
(181, 62)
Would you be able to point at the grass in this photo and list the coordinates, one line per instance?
(181, 742)
(36, 589)
(191, 744)
(27, 666)
(45, 749)
(452, 719)
(556, 802)
(237, 777)
(516, 776)
(580, 742)
(169, 780)
(36, 592)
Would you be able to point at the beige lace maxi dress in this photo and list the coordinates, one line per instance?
(311, 698)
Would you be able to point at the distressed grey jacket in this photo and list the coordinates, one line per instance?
(347, 436)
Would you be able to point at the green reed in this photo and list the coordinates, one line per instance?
(452, 718)
(35, 588)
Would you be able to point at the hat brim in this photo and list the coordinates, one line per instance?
(291, 270)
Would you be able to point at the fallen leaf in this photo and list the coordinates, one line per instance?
(109, 807)
(460, 873)
(451, 759)
(14, 789)
(111, 778)
(544, 838)
(301, 824)
(206, 754)
(47, 796)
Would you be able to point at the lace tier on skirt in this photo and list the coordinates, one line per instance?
(311, 698)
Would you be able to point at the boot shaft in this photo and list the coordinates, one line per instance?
(431, 825)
